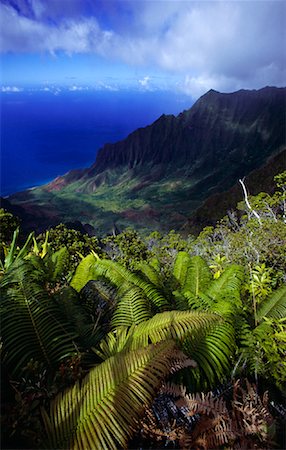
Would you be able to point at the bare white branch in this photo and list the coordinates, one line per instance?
(247, 202)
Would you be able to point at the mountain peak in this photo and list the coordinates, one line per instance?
(162, 173)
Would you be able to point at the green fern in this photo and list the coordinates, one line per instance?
(88, 329)
(151, 274)
(199, 302)
(85, 272)
(273, 306)
(92, 268)
(132, 308)
(199, 276)
(167, 325)
(58, 261)
(103, 412)
(181, 268)
(31, 327)
(228, 285)
(213, 354)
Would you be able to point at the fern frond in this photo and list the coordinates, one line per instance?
(113, 343)
(181, 267)
(151, 274)
(123, 278)
(90, 332)
(31, 327)
(85, 272)
(103, 412)
(92, 268)
(213, 354)
(132, 308)
(202, 403)
(181, 301)
(59, 260)
(167, 325)
(171, 325)
(192, 273)
(273, 306)
(227, 286)
(199, 276)
(200, 302)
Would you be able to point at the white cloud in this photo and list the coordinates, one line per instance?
(11, 89)
(220, 44)
(77, 88)
(145, 82)
(22, 34)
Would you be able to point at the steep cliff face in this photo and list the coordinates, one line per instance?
(246, 124)
(172, 166)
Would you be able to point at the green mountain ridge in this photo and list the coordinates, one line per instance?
(160, 175)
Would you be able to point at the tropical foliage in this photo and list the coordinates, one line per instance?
(93, 332)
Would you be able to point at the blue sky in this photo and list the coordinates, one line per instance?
(188, 46)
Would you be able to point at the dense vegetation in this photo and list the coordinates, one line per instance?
(147, 342)
(160, 176)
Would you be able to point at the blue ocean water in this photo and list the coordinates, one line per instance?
(45, 135)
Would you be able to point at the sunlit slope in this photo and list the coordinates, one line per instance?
(159, 175)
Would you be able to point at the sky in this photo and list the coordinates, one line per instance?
(187, 46)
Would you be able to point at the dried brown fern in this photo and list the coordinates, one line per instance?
(250, 413)
(150, 430)
(240, 423)
(245, 426)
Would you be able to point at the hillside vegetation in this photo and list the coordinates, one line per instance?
(159, 341)
(160, 175)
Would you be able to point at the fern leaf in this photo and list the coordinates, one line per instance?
(132, 308)
(181, 267)
(151, 274)
(84, 272)
(59, 260)
(200, 302)
(213, 354)
(227, 286)
(167, 325)
(123, 278)
(92, 268)
(31, 327)
(103, 412)
(199, 276)
(274, 306)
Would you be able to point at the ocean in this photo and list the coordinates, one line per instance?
(45, 134)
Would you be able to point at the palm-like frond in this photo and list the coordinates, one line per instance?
(151, 274)
(181, 268)
(30, 324)
(198, 277)
(70, 310)
(123, 278)
(92, 268)
(132, 308)
(58, 262)
(213, 354)
(103, 412)
(273, 306)
(228, 285)
(85, 272)
(99, 298)
(167, 325)
(200, 302)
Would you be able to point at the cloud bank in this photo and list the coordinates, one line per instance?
(224, 45)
